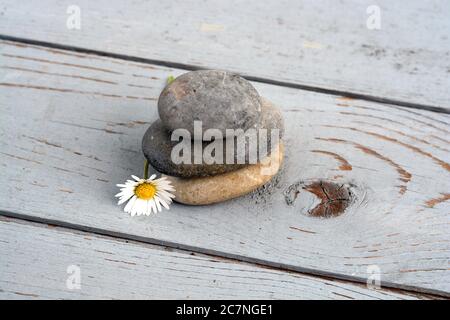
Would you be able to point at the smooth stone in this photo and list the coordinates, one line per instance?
(214, 189)
(220, 99)
(157, 147)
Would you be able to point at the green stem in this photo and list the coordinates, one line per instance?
(170, 79)
(146, 169)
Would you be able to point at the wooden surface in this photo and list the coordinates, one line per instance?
(318, 45)
(71, 129)
(117, 269)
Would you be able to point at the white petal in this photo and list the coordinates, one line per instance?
(152, 205)
(164, 203)
(163, 185)
(129, 205)
(124, 199)
(148, 210)
(162, 180)
(165, 194)
(157, 204)
(163, 197)
(139, 206)
(165, 181)
(122, 192)
(134, 209)
(164, 191)
(167, 188)
(144, 207)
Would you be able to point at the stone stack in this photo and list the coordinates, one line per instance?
(205, 106)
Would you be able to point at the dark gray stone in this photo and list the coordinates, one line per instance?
(220, 99)
(157, 147)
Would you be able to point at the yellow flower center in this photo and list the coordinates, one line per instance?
(145, 191)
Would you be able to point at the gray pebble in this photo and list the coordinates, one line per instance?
(220, 99)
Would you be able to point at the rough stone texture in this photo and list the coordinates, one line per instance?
(220, 99)
(157, 147)
(208, 190)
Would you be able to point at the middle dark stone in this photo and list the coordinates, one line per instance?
(157, 147)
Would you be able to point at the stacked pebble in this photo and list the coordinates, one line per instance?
(221, 101)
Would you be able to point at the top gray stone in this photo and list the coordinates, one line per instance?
(221, 100)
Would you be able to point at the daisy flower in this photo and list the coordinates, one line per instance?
(145, 196)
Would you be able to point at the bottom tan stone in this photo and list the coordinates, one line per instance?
(213, 189)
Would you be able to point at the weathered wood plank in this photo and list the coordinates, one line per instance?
(71, 129)
(36, 257)
(322, 44)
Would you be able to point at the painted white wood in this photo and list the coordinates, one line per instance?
(322, 44)
(35, 261)
(71, 128)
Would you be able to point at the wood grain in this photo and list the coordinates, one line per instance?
(324, 45)
(36, 257)
(71, 128)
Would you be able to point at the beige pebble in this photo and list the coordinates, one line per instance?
(213, 189)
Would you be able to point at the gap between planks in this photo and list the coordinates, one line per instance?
(387, 286)
(190, 67)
